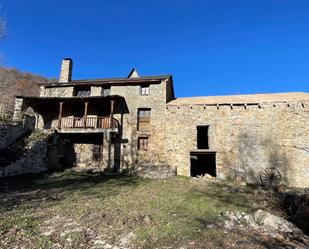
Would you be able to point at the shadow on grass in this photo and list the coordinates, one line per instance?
(226, 196)
(36, 189)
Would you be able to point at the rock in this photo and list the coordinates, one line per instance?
(147, 221)
(191, 243)
(107, 246)
(256, 192)
(280, 237)
(56, 246)
(273, 223)
(208, 176)
(99, 242)
(126, 240)
(249, 220)
(229, 225)
(221, 176)
(69, 240)
(155, 171)
(49, 232)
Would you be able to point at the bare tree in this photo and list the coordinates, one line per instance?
(12, 83)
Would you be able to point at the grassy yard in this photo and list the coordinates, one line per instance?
(70, 210)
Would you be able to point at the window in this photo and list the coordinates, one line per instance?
(144, 90)
(106, 91)
(143, 143)
(82, 91)
(202, 137)
(143, 118)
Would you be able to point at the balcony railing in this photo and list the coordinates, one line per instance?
(90, 122)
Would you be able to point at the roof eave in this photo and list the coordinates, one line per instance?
(114, 81)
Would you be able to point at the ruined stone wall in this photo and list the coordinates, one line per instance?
(9, 133)
(33, 159)
(246, 139)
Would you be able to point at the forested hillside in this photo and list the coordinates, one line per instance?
(12, 83)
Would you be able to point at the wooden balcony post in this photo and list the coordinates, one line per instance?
(112, 113)
(60, 114)
(85, 114)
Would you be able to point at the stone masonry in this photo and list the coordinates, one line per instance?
(9, 133)
(247, 133)
(33, 158)
(66, 70)
(245, 139)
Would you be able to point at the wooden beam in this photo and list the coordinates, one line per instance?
(112, 113)
(60, 114)
(85, 114)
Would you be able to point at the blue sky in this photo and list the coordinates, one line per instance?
(213, 47)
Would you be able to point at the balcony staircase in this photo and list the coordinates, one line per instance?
(13, 152)
(26, 155)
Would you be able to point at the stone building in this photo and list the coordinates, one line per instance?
(121, 123)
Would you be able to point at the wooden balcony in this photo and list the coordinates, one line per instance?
(88, 124)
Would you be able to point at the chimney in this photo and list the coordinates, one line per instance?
(66, 70)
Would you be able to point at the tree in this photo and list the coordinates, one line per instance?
(12, 83)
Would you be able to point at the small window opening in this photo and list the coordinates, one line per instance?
(82, 91)
(202, 164)
(106, 91)
(144, 90)
(143, 143)
(202, 137)
(143, 119)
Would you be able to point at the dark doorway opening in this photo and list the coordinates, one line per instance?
(202, 137)
(203, 163)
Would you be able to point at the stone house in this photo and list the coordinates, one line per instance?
(118, 123)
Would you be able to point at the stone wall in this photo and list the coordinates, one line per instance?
(9, 133)
(83, 153)
(156, 134)
(65, 91)
(96, 90)
(66, 70)
(245, 138)
(33, 159)
(18, 115)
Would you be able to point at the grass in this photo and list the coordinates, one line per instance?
(73, 210)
